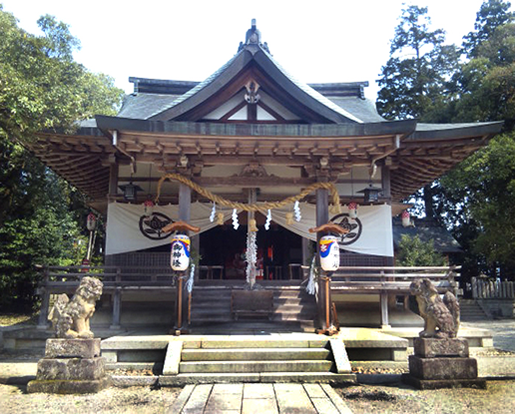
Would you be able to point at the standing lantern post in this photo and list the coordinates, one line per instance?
(329, 259)
(91, 224)
(180, 263)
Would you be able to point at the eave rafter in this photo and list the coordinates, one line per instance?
(149, 148)
(78, 159)
(420, 162)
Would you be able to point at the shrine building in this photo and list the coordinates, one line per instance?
(253, 135)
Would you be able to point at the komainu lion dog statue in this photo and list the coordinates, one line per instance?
(441, 317)
(71, 317)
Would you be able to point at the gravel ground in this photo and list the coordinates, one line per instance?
(498, 398)
(14, 399)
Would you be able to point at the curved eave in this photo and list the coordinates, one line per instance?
(402, 128)
(433, 150)
(435, 132)
(81, 159)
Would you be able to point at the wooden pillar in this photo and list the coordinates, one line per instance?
(117, 305)
(43, 313)
(195, 244)
(113, 178)
(117, 301)
(181, 300)
(385, 323)
(45, 301)
(324, 290)
(305, 254)
(385, 183)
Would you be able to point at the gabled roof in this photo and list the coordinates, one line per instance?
(252, 63)
(164, 120)
(426, 230)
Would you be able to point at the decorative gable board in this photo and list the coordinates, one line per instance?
(236, 109)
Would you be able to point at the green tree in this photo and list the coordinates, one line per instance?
(415, 252)
(414, 81)
(491, 15)
(41, 88)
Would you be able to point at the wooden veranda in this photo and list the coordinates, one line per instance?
(385, 281)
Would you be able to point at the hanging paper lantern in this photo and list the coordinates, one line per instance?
(353, 209)
(148, 207)
(180, 254)
(220, 219)
(289, 218)
(329, 253)
(406, 218)
(91, 222)
(252, 225)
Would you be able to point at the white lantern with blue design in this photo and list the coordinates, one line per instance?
(329, 253)
(180, 254)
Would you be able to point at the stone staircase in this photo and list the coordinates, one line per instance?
(293, 307)
(236, 358)
(470, 311)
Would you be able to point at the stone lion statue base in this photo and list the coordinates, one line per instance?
(441, 317)
(71, 317)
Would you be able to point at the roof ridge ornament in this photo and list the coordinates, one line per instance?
(253, 39)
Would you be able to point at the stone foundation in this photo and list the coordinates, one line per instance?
(71, 366)
(442, 363)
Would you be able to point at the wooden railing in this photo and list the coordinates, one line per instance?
(383, 280)
(391, 280)
(65, 279)
(489, 289)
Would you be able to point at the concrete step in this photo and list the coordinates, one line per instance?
(261, 354)
(255, 366)
(301, 305)
(244, 342)
(278, 317)
(265, 377)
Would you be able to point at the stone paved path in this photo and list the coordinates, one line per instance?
(503, 332)
(259, 398)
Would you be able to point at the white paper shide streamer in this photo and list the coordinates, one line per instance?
(268, 220)
(296, 210)
(235, 223)
(191, 278)
(213, 213)
(311, 287)
(251, 257)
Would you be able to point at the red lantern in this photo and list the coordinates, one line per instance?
(353, 209)
(406, 218)
(91, 222)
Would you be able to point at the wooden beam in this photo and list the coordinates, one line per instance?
(270, 181)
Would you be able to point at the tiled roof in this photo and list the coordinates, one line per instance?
(364, 109)
(197, 88)
(144, 105)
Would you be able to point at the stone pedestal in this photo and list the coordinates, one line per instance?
(442, 363)
(71, 366)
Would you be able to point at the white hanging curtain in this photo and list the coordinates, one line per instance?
(123, 225)
(124, 234)
(376, 228)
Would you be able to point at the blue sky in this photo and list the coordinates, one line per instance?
(323, 41)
